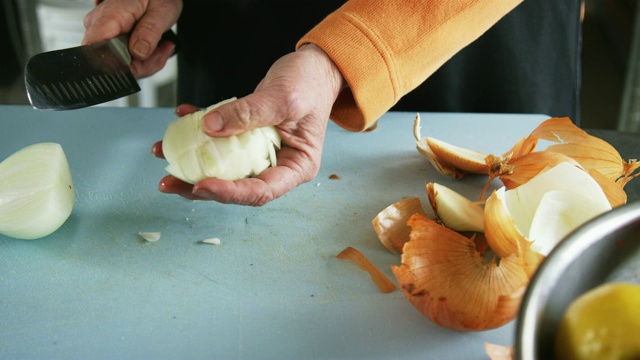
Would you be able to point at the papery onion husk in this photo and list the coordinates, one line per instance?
(455, 157)
(612, 189)
(524, 168)
(448, 281)
(503, 235)
(449, 160)
(391, 223)
(454, 210)
(590, 151)
(380, 279)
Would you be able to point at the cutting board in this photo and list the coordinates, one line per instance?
(272, 288)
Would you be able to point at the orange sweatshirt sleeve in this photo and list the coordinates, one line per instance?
(386, 48)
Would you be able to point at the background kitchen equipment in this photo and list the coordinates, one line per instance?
(45, 25)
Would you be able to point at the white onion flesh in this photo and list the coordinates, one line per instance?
(194, 156)
(150, 236)
(553, 203)
(36, 191)
(457, 212)
(212, 241)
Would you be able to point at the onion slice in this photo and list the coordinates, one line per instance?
(36, 191)
(381, 280)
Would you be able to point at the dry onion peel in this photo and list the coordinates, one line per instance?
(519, 170)
(588, 150)
(454, 210)
(194, 156)
(614, 190)
(381, 280)
(450, 160)
(448, 281)
(391, 223)
(36, 191)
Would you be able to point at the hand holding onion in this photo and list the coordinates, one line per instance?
(296, 97)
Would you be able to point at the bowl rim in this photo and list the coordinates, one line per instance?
(557, 262)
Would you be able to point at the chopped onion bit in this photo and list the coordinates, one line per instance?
(212, 241)
(150, 236)
(381, 280)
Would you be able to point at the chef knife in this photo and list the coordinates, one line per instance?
(82, 76)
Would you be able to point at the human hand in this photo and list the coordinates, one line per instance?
(145, 20)
(296, 96)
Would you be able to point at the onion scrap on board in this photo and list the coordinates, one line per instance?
(468, 268)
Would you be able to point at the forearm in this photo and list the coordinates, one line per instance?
(386, 48)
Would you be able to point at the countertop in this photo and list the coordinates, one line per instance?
(273, 287)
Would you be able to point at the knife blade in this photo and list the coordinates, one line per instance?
(82, 76)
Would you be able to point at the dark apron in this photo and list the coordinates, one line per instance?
(529, 62)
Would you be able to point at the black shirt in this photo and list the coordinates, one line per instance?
(529, 62)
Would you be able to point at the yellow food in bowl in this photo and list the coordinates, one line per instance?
(603, 323)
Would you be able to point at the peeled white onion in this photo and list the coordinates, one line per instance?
(36, 191)
(194, 156)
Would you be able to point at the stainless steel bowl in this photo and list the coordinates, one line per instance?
(605, 249)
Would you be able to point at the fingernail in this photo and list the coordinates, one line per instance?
(141, 48)
(202, 193)
(213, 122)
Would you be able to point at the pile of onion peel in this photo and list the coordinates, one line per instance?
(522, 162)
(546, 195)
(36, 191)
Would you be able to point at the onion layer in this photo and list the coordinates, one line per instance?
(36, 191)
(448, 281)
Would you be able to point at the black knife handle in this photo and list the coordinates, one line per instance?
(169, 35)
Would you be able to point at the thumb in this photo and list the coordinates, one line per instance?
(147, 33)
(250, 112)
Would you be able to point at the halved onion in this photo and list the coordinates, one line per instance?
(194, 156)
(36, 191)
